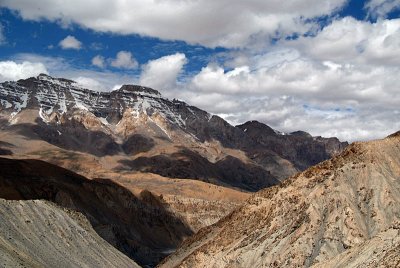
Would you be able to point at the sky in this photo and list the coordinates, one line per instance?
(330, 67)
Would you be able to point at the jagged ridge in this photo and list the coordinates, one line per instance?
(136, 121)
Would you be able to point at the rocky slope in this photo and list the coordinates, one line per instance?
(37, 233)
(299, 147)
(137, 127)
(381, 251)
(335, 209)
(143, 227)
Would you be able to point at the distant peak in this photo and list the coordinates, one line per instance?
(140, 90)
(46, 77)
(43, 75)
(301, 134)
(255, 125)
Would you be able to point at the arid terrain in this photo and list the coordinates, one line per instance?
(161, 178)
(200, 134)
(201, 165)
(343, 212)
(37, 233)
(143, 227)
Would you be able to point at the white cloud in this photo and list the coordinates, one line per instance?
(352, 41)
(163, 72)
(342, 82)
(60, 67)
(11, 71)
(362, 90)
(70, 42)
(90, 83)
(98, 61)
(381, 8)
(124, 60)
(208, 23)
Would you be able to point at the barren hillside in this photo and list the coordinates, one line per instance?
(37, 233)
(327, 210)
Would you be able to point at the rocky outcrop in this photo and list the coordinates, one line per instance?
(335, 209)
(38, 233)
(142, 228)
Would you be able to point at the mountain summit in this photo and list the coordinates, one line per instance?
(140, 131)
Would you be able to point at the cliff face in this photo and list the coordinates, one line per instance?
(335, 209)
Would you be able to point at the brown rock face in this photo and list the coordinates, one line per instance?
(142, 228)
(338, 208)
(299, 147)
(137, 122)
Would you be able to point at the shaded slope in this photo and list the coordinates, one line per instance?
(37, 233)
(186, 164)
(139, 228)
(311, 217)
(299, 147)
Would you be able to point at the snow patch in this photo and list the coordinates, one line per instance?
(19, 106)
(63, 105)
(280, 133)
(103, 120)
(6, 104)
(80, 105)
(43, 115)
(13, 119)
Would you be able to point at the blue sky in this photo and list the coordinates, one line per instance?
(327, 67)
(43, 37)
(36, 37)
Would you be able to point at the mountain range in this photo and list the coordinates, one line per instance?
(137, 129)
(168, 184)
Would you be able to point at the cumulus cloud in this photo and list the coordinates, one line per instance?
(322, 97)
(98, 61)
(381, 8)
(341, 82)
(60, 67)
(70, 42)
(124, 60)
(208, 23)
(90, 83)
(162, 73)
(12, 71)
(350, 40)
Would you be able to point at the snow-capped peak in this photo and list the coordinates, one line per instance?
(48, 95)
